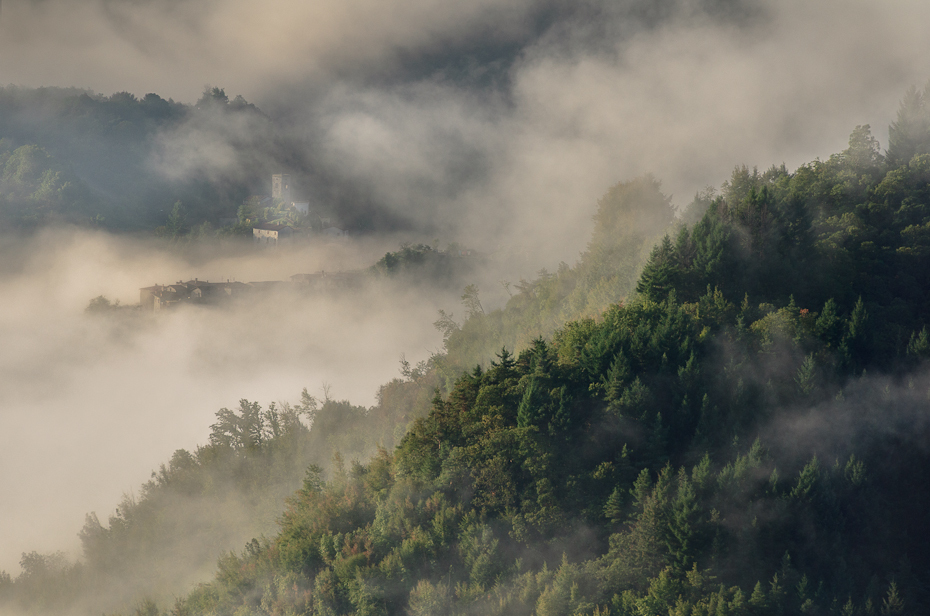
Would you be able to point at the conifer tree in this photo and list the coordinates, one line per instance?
(909, 134)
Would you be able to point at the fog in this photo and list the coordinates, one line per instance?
(92, 404)
(686, 99)
(499, 122)
(868, 414)
(494, 123)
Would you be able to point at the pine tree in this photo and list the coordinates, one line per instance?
(682, 522)
(642, 487)
(660, 273)
(616, 381)
(909, 134)
(919, 345)
(893, 603)
(855, 341)
(613, 510)
(758, 601)
(531, 410)
(829, 326)
(863, 153)
(561, 419)
(805, 376)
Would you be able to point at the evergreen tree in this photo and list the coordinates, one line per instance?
(909, 134)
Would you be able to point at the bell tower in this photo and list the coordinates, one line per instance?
(281, 187)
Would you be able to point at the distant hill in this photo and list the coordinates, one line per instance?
(108, 149)
(122, 162)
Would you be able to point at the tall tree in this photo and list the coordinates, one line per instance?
(909, 134)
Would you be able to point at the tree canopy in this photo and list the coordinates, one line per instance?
(743, 434)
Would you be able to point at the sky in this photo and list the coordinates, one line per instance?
(499, 123)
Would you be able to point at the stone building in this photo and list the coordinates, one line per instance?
(271, 234)
(161, 297)
(281, 187)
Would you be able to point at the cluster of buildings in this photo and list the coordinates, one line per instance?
(202, 292)
(285, 213)
(161, 296)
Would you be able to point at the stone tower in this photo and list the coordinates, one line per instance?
(281, 187)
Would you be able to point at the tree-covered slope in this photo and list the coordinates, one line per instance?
(630, 218)
(202, 503)
(73, 156)
(605, 471)
(744, 434)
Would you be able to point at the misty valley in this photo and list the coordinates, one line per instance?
(539, 308)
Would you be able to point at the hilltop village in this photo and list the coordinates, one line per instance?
(272, 219)
(281, 218)
(165, 296)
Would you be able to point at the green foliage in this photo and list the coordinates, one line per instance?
(176, 226)
(419, 264)
(629, 218)
(36, 189)
(557, 481)
(76, 157)
(101, 304)
(909, 134)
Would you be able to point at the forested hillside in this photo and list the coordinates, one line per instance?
(630, 218)
(224, 493)
(73, 156)
(121, 162)
(741, 429)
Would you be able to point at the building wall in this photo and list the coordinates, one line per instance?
(266, 236)
(281, 186)
(147, 297)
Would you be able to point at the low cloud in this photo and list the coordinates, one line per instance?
(95, 403)
(394, 101)
(498, 123)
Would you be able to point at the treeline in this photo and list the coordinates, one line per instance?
(859, 217)
(73, 156)
(630, 218)
(123, 162)
(743, 434)
(421, 265)
(204, 502)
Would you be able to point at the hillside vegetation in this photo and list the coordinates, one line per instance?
(739, 430)
(76, 157)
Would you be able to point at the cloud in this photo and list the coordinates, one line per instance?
(215, 146)
(95, 404)
(873, 413)
(500, 123)
(686, 95)
(174, 47)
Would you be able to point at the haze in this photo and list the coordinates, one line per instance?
(91, 405)
(496, 119)
(496, 123)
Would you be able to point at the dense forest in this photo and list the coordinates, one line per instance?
(123, 163)
(723, 413)
(75, 157)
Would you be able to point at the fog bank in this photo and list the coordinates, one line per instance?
(494, 122)
(91, 404)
